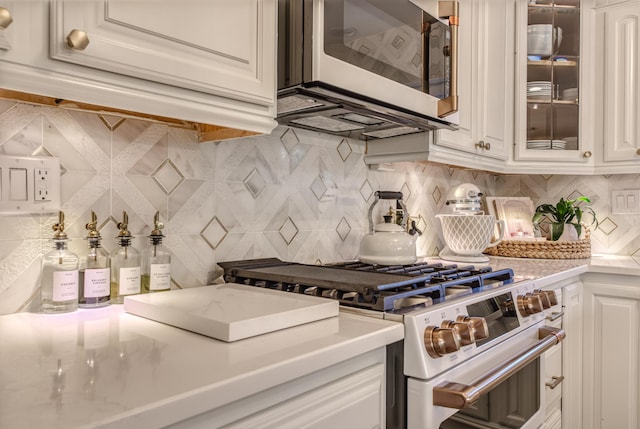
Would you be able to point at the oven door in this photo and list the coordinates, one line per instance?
(500, 388)
(394, 51)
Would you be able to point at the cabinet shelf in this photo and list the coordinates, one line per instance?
(554, 63)
(553, 101)
(550, 8)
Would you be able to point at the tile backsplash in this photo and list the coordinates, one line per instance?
(295, 195)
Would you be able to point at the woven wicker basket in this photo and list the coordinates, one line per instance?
(579, 249)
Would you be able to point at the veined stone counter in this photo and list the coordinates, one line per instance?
(107, 368)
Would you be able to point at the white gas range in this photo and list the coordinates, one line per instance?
(473, 336)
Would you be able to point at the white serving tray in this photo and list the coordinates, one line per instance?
(231, 311)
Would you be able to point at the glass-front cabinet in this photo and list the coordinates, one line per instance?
(551, 112)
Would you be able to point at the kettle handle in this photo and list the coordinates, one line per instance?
(388, 195)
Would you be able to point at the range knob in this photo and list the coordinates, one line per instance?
(463, 331)
(550, 294)
(544, 299)
(529, 304)
(440, 341)
(477, 325)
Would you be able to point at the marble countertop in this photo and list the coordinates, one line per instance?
(107, 368)
(104, 367)
(548, 271)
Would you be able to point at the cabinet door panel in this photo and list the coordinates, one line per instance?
(611, 355)
(188, 44)
(495, 118)
(622, 89)
(554, 94)
(485, 79)
(572, 323)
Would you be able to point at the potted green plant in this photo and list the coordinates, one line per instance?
(565, 217)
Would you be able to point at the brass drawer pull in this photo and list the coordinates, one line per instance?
(556, 381)
(555, 315)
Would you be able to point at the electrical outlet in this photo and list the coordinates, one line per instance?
(29, 184)
(41, 182)
(626, 201)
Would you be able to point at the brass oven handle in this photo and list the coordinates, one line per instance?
(459, 396)
(556, 381)
(450, 9)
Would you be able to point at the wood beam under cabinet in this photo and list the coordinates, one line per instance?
(206, 132)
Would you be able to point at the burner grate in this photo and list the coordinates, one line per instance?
(380, 288)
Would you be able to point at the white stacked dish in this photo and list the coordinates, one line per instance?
(546, 144)
(540, 90)
(572, 142)
(569, 94)
(542, 39)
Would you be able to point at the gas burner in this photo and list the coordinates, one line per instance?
(366, 286)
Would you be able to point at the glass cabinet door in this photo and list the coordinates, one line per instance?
(550, 128)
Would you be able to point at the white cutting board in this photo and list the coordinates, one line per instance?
(231, 311)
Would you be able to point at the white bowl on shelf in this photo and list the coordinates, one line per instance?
(569, 94)
(543, 39)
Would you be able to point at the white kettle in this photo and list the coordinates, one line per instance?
(388, 243)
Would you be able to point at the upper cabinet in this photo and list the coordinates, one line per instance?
(211, 62)
(618, 86)
(485, 79)
(485, 102)
(553, 94)
(212, 47)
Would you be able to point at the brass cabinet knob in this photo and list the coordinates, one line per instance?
(482, 145)
(638, 152)
(5, 18)
(587, 154)
(77, 39)
(440, 341)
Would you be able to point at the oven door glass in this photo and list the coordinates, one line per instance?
(511, 404)
(395, 39)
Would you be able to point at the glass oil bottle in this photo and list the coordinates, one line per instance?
(156, 261)
(59, 288)
(125, 265)
(94, 279)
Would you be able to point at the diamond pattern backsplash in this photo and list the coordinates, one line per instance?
(295, 195)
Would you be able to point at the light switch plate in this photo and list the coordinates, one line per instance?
(625, 201)
(29, 184)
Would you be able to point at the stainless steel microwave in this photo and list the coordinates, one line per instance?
(368, 69)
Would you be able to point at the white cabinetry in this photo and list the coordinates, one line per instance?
(618, 86)
(563, 372)
(554, 114)
(347, 395)
(485, 78)
(209, 62)
(611, 352)
(214, 47)
(485, 104)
